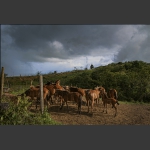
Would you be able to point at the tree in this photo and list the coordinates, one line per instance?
(5, 75)
(38, 73)
(75, 68)
(91, 67)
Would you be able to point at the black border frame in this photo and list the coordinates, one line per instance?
(74, 137)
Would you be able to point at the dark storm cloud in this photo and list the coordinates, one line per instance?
(138, 48)
(76, 39)
(25, 45)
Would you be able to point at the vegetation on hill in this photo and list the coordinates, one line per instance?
(131, 79)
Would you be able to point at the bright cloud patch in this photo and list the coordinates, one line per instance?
(71, 64)
(56, 45)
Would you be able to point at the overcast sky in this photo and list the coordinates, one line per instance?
(27, 49)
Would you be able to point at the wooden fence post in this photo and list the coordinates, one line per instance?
(41, 94)
(2, 83)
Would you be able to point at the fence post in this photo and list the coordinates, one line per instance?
(2, 83)
(41, 94)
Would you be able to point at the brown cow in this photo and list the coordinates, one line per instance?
(79, 90)
(112, 93)
(59, 95)
(101, 89)
(66, 96)
(111, 101)
(52, 88)
(62, 95)
(91, 96)
(46, 97)
(34, 92)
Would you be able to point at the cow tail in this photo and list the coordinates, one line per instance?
(117, 102)
(116, 96)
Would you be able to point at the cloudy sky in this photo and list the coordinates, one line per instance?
(27, 49)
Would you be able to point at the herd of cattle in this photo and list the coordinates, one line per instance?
(65, 94)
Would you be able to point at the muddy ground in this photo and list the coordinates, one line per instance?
(128, 114)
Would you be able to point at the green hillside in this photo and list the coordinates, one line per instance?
(131, 79)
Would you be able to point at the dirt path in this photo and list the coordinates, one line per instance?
(128, 114)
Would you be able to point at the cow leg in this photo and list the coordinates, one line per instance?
(36, 103)
(79, 103)
(57, 100)
(115, 111)
(46, 103)
(61, 107)
(60, 101)
(67, 106)
(106, 108)
(92, 107)
(37, 100)
(102, 102)
(51, 100)
(79, 109)
(96, 101)
(62, 104)
(88, 105)
(92, 103)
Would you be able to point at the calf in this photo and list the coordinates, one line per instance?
(111, 101)
(112, 93)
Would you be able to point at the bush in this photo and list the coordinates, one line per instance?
(20, 115)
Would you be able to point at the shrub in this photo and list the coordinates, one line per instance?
(20, 115)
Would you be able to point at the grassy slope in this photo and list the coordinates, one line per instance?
(131, 79)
